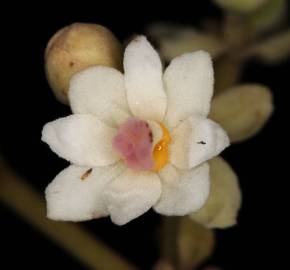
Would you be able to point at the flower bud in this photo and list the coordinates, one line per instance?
(223, 204)
(174, 40)
(274, 49)
(76, 47)
(242, 110)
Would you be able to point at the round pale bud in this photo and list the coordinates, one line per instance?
(242, 110)
(76, 47)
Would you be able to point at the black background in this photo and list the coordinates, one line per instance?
(27, 104)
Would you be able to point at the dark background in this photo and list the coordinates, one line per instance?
(27, 104)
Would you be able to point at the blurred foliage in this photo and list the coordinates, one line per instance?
(241, 6)
(268, 16)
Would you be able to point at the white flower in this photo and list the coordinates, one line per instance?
(103, 179)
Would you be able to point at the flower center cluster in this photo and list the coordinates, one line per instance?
(160, 151)
(134, 142)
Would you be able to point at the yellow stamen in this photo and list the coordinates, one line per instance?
(160, 151)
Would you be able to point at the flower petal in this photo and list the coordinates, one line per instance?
(156, 131)
(143, 80)
(189, 86)
(76, 193)
(196, 140)
(183, 191)
(132, 194)
(100, 91)
(81, 139)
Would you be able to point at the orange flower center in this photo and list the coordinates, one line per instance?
(160, 151)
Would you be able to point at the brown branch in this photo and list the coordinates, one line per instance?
(22, 198)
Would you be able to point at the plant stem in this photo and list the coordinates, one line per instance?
(170, 232)
(22, 198)
(227, 72)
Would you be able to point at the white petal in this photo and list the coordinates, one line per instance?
(132, 194)
(100, 91)
(183, 191)
(156, 131)
(196, 140)
(81, 139)
(143, 80)
(71, 198)
(189, 86)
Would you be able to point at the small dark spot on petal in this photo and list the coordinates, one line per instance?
(86, 174)
(201, 142)
(71, 64)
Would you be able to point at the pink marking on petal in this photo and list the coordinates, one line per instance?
(133, 142)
